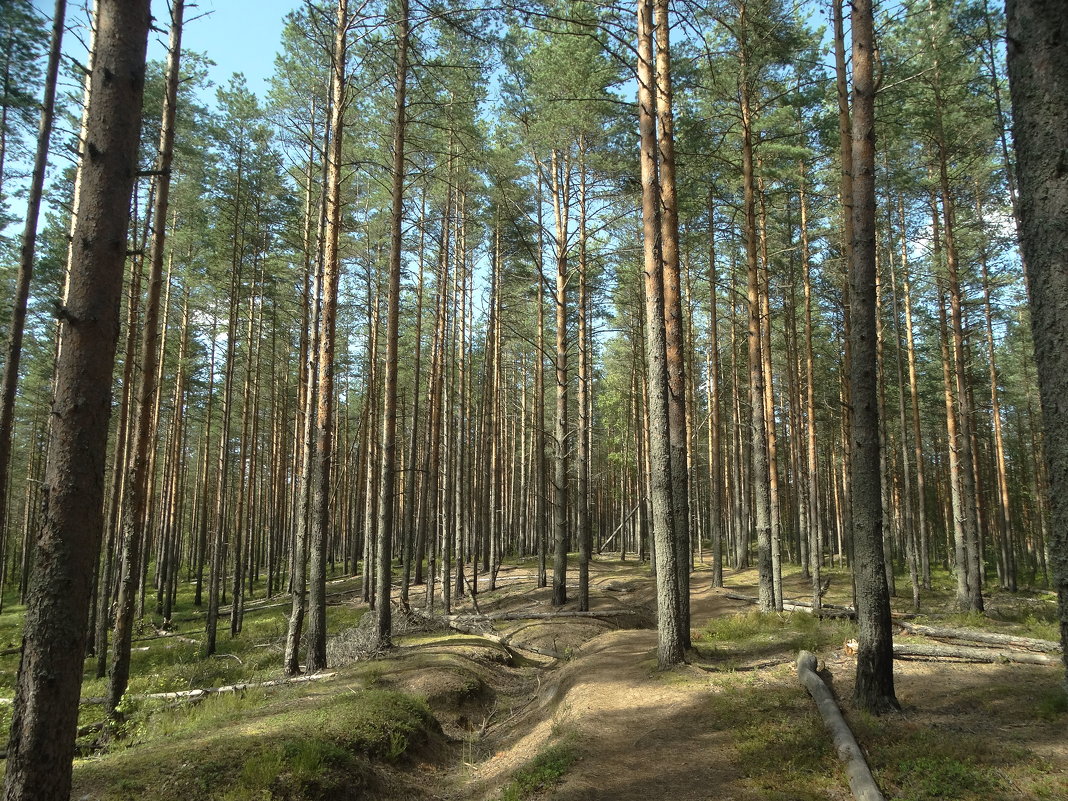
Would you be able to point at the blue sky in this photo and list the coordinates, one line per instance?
(238, 35)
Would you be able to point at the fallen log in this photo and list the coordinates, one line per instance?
(974, 635)
(504, 642)
(963, 653)
(826, 610)
(861, 782)
(494, 616)
(206, 691)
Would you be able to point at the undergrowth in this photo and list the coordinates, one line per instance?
(246, 747)
(542, 773)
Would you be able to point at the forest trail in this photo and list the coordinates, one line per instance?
(732, 724)
(531, 703)
(638, 734)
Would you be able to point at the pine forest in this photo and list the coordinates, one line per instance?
(534, 400)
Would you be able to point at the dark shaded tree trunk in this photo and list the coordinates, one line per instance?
(1038, 77)
(874, 690)
(45, 713)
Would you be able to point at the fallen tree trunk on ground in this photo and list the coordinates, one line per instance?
(192, 695)
(467, 624)
(826, 610)
(861, 782)
(974, 635)
(961, 653)
(494, 616)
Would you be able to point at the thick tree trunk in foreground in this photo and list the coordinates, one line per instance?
(676, 359)
(45, 713)
(1038, 76)
(875, 660)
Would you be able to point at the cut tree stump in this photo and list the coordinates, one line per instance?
(861, 782)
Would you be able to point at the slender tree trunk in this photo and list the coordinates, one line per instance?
(561, 188)
(914, 396)
(27, 251)
(135, 498)
(322, 459)
(758, 432)
(715, 426)
(673, 334)
(874, 689)
(1005, 538)
(383, 626)
(669, 626)
(815, 540)
(582, 445)
(846, 190)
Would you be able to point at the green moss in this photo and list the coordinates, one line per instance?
(249, 747)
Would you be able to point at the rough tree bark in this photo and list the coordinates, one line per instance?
(669, 636)
(135, 499)
(874, 689)
(1038, 79)
(319, 503)
(676, 359)
(383, 627)
(45, 714)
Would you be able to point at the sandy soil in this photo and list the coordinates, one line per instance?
(644, 735)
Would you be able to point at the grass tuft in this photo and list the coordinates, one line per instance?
(543, 772)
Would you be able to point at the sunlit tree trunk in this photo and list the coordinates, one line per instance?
(27, 252)
(758, 431)
(673, 334)
(670, 638)
(322, 458)
(383, 627)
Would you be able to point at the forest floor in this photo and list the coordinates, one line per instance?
(734, 724)
(573, 707)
